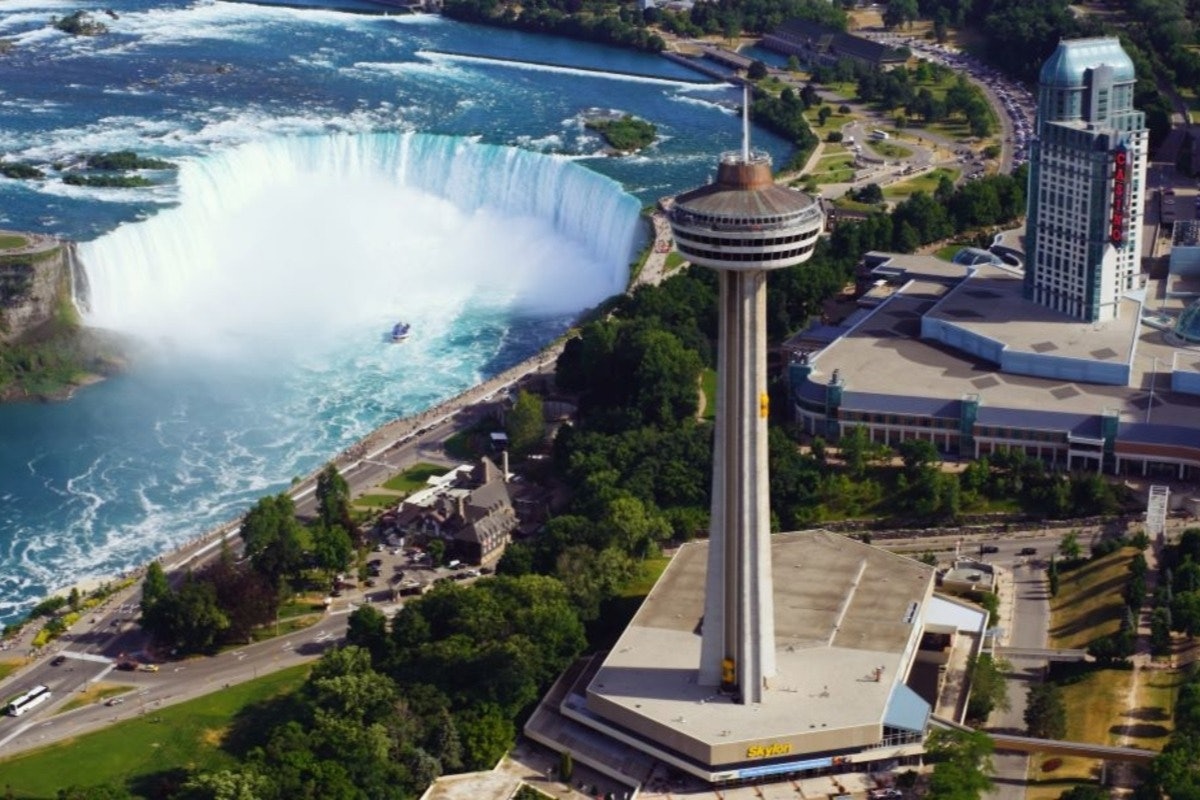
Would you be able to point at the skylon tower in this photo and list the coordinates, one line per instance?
(743, 226)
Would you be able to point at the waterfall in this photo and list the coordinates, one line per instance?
(273, 226)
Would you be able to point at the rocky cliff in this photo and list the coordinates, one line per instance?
(43, 350)
(35, 283)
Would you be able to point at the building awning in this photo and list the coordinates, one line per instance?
(906, 710)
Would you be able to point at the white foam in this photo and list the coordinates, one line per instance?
(553, 68)
(308, 240)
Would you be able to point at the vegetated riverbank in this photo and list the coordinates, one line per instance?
(45, 352)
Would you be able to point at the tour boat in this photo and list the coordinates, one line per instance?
(400, 331)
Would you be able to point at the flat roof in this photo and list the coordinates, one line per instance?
(843, 609)
(884, 354)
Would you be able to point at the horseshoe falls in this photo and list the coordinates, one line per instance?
(336, 173)
(294, 244)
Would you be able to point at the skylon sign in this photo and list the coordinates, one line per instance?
(1120, 195)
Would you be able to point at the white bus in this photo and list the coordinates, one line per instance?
(878, 134)
(31, 699)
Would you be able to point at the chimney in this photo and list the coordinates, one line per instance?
(462, 507)
(504, 464)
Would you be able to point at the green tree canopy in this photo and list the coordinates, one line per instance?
(271, 534)
(525, 423)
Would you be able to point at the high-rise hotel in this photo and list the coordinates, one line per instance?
(1087, 170)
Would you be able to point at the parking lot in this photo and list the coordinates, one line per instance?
(394, 572)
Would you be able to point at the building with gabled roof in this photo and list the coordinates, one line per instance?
(470, 508)
(823, 46)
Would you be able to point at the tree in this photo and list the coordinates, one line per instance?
(1070, 547)
(101, 792)
(272, 538)
(333, 499)
(1086, 791)
(566, 766)
(962, 764)
(1045, 712)
(854, 444)
(189, 620)
(331, 547)
(757, 71)
(1160, 631)
(487, 733)
(525, 423)
(989, 688)
(229, 784)
(154, 589)
(899, 12)
(367, 628)
(436, 550)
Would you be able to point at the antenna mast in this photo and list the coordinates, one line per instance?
(745, 124)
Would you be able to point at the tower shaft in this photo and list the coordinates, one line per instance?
(743, 225)
(738, 637)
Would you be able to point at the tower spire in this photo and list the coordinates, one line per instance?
(745, 124)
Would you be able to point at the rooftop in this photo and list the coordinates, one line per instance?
(885, 357)
(1067, 65)
(843, 610)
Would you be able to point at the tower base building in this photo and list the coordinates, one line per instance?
(859, 637)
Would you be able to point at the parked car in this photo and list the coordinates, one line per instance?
(989, 548)
(1027, 551)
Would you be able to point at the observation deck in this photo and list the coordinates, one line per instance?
(745, 221)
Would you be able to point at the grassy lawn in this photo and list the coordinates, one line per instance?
(649, 571)
(926, 182)
(1192, 98)
(673, 262)
(889, 149)
(847, 90)
(833, 122)
(10, 241)
(839, 169)
(286, 626)
(1149, 722)
(94, 693)
(1094, 703)
(1089, 603)
(413, 478)
(1050, 776)
(853, 205)
(188, 735)
(302, 606)
(616, 612)
(708, 385)
(377, 500)
(947, 253)
(459, 446)
(9, 666)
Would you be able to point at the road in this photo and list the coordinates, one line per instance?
(150, 691)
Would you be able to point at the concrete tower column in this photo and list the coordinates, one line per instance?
(739, 615)
(743, 226)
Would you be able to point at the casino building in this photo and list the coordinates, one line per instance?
(1087, 169)
(1064, 360)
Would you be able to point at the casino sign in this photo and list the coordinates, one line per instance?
(1120, 196)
